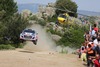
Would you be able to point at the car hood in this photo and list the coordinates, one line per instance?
(26, 33)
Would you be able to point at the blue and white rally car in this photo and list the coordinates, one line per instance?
(30, 35)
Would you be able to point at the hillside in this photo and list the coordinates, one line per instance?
(89, 13)
(34, 8)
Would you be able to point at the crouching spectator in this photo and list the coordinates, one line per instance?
(83, 54)
(96, 61)
(90, 55)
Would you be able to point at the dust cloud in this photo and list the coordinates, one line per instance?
(44, 43)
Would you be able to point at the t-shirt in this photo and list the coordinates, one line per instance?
(90, 52)
(96, 29)
(93, 32)
(97, 49)
(95, 42)
(96, 63)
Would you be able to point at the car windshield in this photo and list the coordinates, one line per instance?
(29, 31)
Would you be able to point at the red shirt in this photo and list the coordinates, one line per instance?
(96, 63)
(96, 29)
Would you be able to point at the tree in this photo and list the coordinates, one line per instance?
(66, 6)
(8, 7)
(17, 23)
(11, 23)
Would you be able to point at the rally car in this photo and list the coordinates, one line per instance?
(29, 35)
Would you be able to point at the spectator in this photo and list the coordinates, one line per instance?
(95, 28)
(90, 55)
(97, 61)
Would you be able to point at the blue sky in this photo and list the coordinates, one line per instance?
(90, 5)
(35, 1)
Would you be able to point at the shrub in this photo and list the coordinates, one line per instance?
(21, 45)
(42, 22)
(53, 18)
(54, 32)
(73, 37)
(33, 17)
(6, 47)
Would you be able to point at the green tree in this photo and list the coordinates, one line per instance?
(16, 24)
(11, 23)
(66, 6)
(8, 8)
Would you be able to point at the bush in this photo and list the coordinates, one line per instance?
(53, 18)
(73, 37)
(42, 22)
(6, 47)
(54, 32)
(33, 18)
(21, 45)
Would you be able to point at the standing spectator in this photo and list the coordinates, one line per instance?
(96, 28)
(93, 32)
(97, 49)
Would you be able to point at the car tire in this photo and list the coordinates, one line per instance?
(22, 41)
(35, 42)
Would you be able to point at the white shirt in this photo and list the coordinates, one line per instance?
(95, 42)
(93, 32)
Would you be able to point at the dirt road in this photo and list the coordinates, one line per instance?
(25, 58)
(41, 55)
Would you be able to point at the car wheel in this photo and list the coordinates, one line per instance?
(35, 42)
(22, 41)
